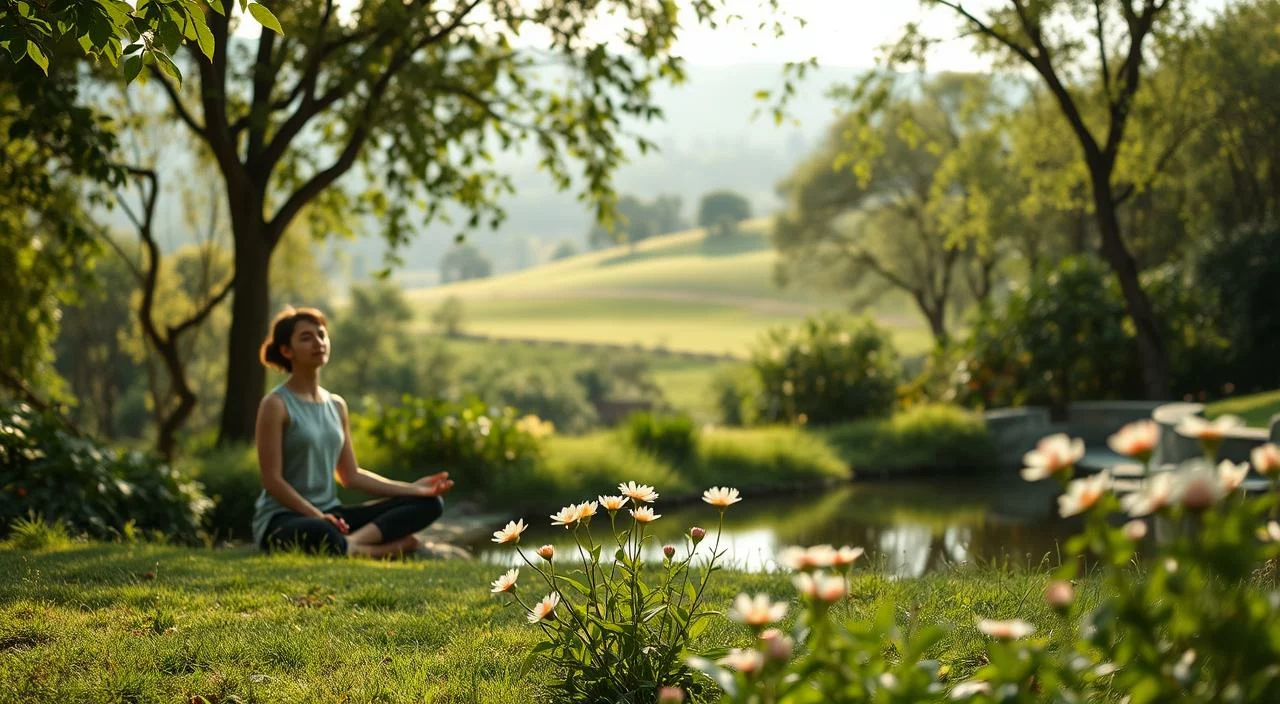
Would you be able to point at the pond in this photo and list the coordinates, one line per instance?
(908, 528)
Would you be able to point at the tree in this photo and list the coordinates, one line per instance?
(639, 220)
(448, 316)
(287, 119)
(723, 209)
(1046, 36)
(564, 250)
(910, 198)
(126, 35)
(464, 262)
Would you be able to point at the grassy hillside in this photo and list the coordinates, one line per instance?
(679, 291)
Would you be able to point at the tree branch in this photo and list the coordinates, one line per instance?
(175, 102)
(1102, 49)
(986, 29)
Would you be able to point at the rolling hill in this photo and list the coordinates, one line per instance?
(682, 292)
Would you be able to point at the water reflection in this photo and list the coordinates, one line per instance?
(908, 528)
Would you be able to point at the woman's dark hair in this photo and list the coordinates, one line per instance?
(282, 332)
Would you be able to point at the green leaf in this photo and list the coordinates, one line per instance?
(532, 657)
(33, 50)
(166, 64)
(265, 18)
(132, 67)
(698, 627)
(205, 38)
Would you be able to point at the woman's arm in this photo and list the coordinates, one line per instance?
(269, 436)
(352, 476)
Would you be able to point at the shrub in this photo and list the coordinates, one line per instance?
(482, 446)
(737, 392)
(615, 632)
(671, 437)
(92, 489)
(934, 438)
(765, 457)
(232, 481)
(828, 370)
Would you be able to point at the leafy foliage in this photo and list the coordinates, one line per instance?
(46, 468)
(829, 369)
(723, 210)
(464, 262)
(482, 446)
(926, 438)
(671, 437)
(638, 220)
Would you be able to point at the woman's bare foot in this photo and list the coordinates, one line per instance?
(395, 548)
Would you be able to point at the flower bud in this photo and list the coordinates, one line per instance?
(1059, 595)
(670, 695)
(546, 552)
(1135, 530)
(669, 551)
(776, 646)
(697, 534)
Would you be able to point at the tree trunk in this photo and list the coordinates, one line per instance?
(250, 315)
(1156, 374)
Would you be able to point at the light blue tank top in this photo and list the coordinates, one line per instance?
(313, 440)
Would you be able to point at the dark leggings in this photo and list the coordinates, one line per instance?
(395, 518)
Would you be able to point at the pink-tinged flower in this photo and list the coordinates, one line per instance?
(802, 559)
(757, 612)
(506, 582)
(669, 551)
(1204, 430)
(1135, 530)
(670, 695)
(612, 503)
(586, 510)
(743, 660)
(697, 534)
(1269, 533)
(566, 516)
(545, 609)
(822, 587)
(721, 496)
(1157, 493)
(1082, 494)
(1266, 459)
(1232, 475)
(777, 646)
(1059, 594)
(511, 533)
(847, 556)
(972, 688)
(546, 552)
(644, 514)
(638, 492)
(1054, 454)
(1137, 440)
(1198, 489)
(1006, 630)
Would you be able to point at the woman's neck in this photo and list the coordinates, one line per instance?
(305, 382)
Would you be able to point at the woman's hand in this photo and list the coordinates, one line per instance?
(434, 484)
(337, 522)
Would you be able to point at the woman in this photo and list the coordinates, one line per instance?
(304, 438)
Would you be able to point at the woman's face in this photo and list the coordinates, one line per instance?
(309, 345)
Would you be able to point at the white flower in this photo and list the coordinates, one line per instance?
(759, 611)
(1198, 488)
(965, 690)
(1201, 429)
(1135, 530)
(1054, 454)
(801, 559)
(566, 516)
(743, 660)
(1155, 495)
(1266, 459)
(638, 492)
(586, 509)
(1082, 494)
(506, 582)
(1269, 533)
(1232, 475)
(644, 514)
(612, 503)
(820, 586)
(1006, 630)
(721, 497)
(1136, 439)
(544, 609)
(510, 533)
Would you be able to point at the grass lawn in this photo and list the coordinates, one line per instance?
(1256, 409)
(143, 623)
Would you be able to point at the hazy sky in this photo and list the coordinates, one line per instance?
(838, 33)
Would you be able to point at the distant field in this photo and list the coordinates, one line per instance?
(677, 291)
(1256, 410)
